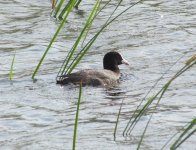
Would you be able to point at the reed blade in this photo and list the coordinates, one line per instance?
(12, 66)
(117, 120)
(58, 7)
(125, 132)
(76, 117)
(95, 12)
(135, 119)
(89, 44)
(77, 4)
(185, 134)
(73, 49)
(66, 8)
(53, 39)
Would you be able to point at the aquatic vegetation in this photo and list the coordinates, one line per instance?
(72, 51)
(117, 120)
(60, 5)
(76, 117)
(12, 66)
(191, 127)
(54, 37)
(69, 64)
(84, 50)
(187, 131)
(141, 110)
(78, 3)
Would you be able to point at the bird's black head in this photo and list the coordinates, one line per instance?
(111, 61)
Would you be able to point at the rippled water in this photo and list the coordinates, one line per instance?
(40, 115)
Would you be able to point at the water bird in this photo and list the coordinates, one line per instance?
(107, 77)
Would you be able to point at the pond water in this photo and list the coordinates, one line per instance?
(152, 36)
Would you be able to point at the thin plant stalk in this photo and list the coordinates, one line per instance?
(65, 9)
(125, 133)
(12, 66)
(58, 7)
(63, 72)
(77, 4)
(142, 137)
(145, 129)
(88, 45)
(69, 56)
(183, 137)
(76, 118)
(168, 141)
(117, 120)
(184, 129)
(66, 61)
(54, 3)
(54, 37)
(162, 91)
(90, 24)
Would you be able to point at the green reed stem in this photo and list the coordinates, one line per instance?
(117, 120)
(76, 118)
(65, 9)
(125, 133)
(108, 22)
(54, 37)
(69, 56)
(161, 92)
(58, 7)
(184, 135)
(12, 66)
(89, 44)
(90, 23)
(77, 4)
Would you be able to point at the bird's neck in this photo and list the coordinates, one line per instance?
(112, 68)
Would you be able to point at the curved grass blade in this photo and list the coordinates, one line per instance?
(62, 72)
(117, 120)
(77, 4)
(162, 91)
(131, 124)
(145, 129)
(12, 66)
(90, 24)
(76, 118)
(54, 3)
(65, 9)
(168, 141)
(58, 8)
(88, 45)
(127, 128)
(183, 137)
(54, 37)
(70, 54)
(142, 137)
(80, 57)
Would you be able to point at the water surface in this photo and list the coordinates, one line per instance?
(40, 115)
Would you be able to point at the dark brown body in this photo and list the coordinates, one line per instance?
(92, 77)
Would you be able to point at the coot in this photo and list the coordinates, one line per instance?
(108, 77)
